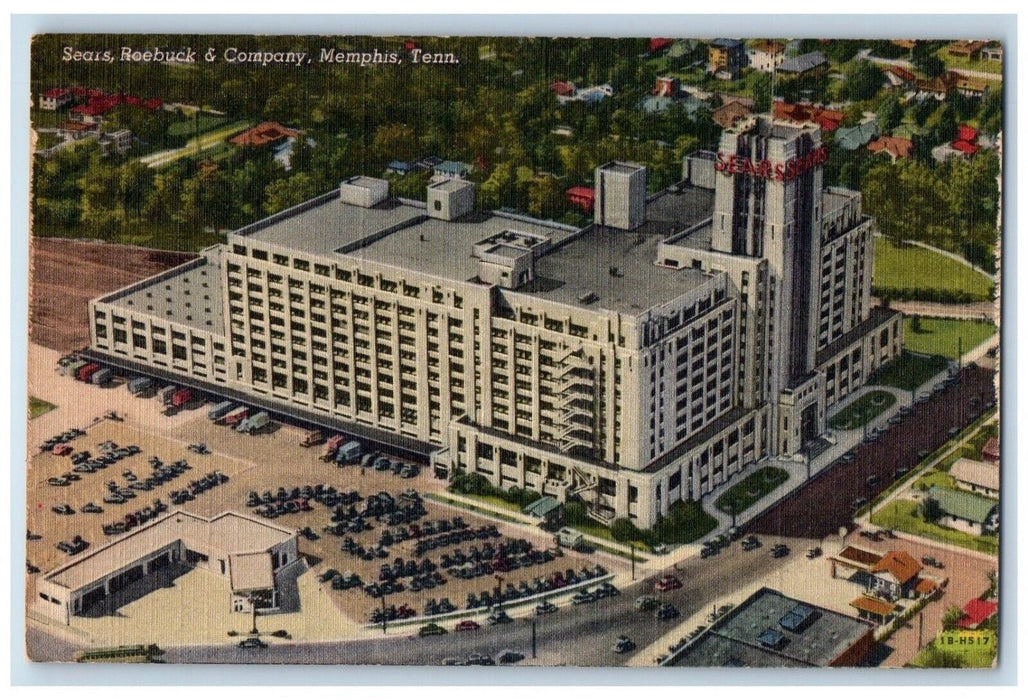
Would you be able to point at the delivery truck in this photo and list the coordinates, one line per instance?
(220, 410)
(237, 415)
(181, 398)
(254, 423)
(331, 447)
(102, 376)
(140, 384)
(86, 373)
(311, 438)
(566, 537)
(350, 452)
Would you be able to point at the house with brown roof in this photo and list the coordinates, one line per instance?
(899, 77)
(895, 146)
(895, 576)
(727, 115)
(966, 49)
(976, 477)
(990, 451)
(765, 55)
(264, 134)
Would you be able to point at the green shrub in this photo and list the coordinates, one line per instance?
(624, 530)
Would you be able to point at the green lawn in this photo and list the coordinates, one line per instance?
(909, 371)
(909, 267)
(901, 514)
(940, 336)
(38, 407)
(940, 654)
(751, 489)
(863, 410)
(934, 477)
(968, 64)
(189, 126)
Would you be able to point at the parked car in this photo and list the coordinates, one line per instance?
(62, 449)
(779, 550)
(665, 612)
(622, 645)
(509, 656)
(252, 643)
(466, 626)
(931, 561)
(57, 481)
(499, 617)
(814, 552)
(750, 543)
(431, 629)
(645, 603)
(545, 608)
(667, 583)
(583, 597)
(477, 659)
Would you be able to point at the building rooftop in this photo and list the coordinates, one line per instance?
(803, 635)
(189, 294)
(229, 532)
(962, 504)
(971, 471)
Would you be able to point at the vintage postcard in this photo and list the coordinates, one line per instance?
(662, 351)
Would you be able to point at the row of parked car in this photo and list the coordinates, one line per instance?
(196, 487)
(469, 534)
(67, 436)
(136, 518)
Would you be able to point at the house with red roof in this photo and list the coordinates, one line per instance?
(976, 612)
(659, 44)
(967, 140)
(827, 119)
(264, 134)
(582, 197)
(562, 88)
(55, 99)
(899, 77)
(990, 450)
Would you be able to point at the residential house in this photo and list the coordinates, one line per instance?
(965, 145)
(993, 52)
(654, 104)
(976, 612)
(805, 64)
(964, 511)
(950, 80)
(582, 197)
(667, 86)
(970, 50)
(976, 477)
(264, 134)
(765, 55)
(894, 576)
(56, 99)
(827, 119)
(895, 146)
(907, 44)
(990, 450)
(898, 77)
(399, 167)
(657, 45)
(726, 58)
(727, 115)
(589, 95)
(562, 88)
(119, 141)
(452, 169)
(852, 138)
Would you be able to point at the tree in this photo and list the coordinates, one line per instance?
(136, 182)
(930, 509)
(925, 59)
(863, 80)
(545, 197)
(951, 617)
(762, 89)
(499, 189)
(624, 530)
(890, 115)
(915, 324)
(394, 142)
(288, 192)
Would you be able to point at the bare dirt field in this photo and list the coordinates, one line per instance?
(66, 274)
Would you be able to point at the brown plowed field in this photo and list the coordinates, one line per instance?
(65, 274)
(823, 505)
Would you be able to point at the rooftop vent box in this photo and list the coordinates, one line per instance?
(450, 199)
(363, 191)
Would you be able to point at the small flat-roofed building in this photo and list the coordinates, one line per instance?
(250, 553)
(977, 477)
(770, 629)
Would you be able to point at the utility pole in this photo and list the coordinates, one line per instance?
(533, 639)
(383, 614)
(920, 630)
(632, 545)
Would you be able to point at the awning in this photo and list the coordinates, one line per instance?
(873, 606)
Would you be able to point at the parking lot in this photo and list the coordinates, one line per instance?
(426, 539)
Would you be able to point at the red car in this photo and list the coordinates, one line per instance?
(62, 449)
(667, 583)
(466, 626)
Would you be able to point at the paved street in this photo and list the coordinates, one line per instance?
(579, 635)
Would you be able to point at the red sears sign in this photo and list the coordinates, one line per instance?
(768, 170)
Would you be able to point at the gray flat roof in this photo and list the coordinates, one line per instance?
(621, 168)
(443, 248)
(189, 295)
(323, 227)
(733, 640)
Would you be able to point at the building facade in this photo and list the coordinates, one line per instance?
(642, 360)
